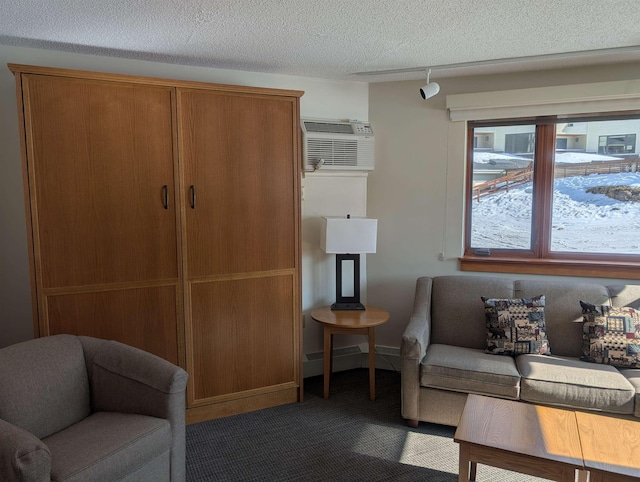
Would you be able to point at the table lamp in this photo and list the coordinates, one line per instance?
(347, 238)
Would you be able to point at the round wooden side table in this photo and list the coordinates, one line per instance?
(350, 322)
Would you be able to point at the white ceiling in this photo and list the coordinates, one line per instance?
(334, 39)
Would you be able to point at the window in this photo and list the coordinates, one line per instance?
(618, 144)
(519, 143)
(551, 191)
(561, 143)
(503, 171)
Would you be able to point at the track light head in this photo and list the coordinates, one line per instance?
(430, 89)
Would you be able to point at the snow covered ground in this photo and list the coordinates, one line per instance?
(582, 221)
(562, 157)
(483, 157)
(569, 157)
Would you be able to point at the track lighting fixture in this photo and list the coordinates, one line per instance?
(430, 89)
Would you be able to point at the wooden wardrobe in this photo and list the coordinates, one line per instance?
(166, 215)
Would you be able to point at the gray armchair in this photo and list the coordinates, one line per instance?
(82, 409)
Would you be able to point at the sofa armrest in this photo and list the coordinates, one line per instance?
(416, 336)
(413, 347)
(23, 456)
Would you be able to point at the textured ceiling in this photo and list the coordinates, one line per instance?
(334, 39)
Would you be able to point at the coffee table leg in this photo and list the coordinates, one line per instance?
(582, 475)
(328, 348)
(372, 364)
(474, 470)
(464, 466)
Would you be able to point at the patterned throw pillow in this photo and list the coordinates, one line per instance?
(516, 326)
(611, 335)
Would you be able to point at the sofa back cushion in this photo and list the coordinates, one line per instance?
(458, 317)
(457, 309)
(625, 295)
(563, 314)
(44, 383)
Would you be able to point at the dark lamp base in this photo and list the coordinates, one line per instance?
(347, 306)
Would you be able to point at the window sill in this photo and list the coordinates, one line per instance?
(555, 267)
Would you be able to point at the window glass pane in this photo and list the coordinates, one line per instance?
(501, 212)
(596, 194)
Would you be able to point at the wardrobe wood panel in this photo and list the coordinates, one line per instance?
(100, 155)
(237, 155)
(250, 324)
(141, 317)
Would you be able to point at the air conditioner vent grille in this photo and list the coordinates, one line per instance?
(337, 145)
(328, 127)
(334, 152)
(340, 153)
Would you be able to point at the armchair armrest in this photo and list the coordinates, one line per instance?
(125, 379)
(128, 380)
(23, 456)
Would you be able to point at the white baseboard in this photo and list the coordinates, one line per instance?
(350, 357)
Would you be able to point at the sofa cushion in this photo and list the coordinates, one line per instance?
(611, 335)
(108, 446)
(561, 309)
(633, 376)
(569, 382)
(45, 387)
(457, 315)
(470, 370)
(515, 326)
(623, 295)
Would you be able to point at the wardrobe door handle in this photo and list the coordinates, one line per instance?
(193, 196)
(165, 196)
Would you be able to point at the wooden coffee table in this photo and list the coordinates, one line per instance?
(350, 322)
(610, 447)
(530, 439)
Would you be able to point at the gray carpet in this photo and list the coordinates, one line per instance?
(345, 438)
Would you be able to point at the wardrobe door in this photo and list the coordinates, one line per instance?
(102, 189)
(241, 208)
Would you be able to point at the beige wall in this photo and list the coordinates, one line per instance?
(416, 191)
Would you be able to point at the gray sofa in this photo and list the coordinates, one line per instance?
(444, 359)
(84, 409)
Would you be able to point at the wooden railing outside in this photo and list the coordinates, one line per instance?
(597, 167)
(521, 176)
(503, 183)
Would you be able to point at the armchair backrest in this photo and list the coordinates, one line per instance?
(44, 384)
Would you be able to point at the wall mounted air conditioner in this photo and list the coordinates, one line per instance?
(337, 145)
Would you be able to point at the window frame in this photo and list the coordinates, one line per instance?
(540, 259)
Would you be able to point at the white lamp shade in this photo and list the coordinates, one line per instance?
(348, 235)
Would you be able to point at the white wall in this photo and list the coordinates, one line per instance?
(322, 99)
(417, 189)
(327, 194)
